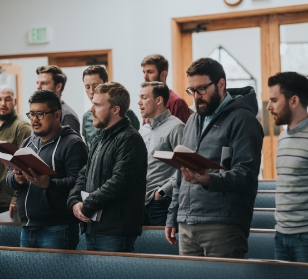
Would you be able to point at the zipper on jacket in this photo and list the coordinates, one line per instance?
(30, 182)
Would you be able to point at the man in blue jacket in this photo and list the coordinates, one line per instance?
(41, 199)
(213, 211)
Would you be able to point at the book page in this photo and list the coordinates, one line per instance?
(182, 148)
(163, 154)
(5, 156)
(3, 141)
(84, 195)
(28, 151)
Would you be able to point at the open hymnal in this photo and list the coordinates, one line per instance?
(97, 215)
(182, 156)
(25, 158)
(7, 147)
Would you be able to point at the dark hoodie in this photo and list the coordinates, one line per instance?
(230, 197)
(65, 153)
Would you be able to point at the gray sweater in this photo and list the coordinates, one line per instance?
(292, 181)
(164, 134)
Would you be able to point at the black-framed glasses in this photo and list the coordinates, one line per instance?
(39, 115)
(201, 90)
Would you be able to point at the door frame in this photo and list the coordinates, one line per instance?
(269, 21)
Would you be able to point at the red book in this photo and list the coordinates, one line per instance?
(25, 158)
(185, 157)
(7, 147)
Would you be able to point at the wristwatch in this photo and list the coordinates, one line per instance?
(162, 193)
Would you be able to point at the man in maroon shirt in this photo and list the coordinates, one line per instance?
(155, 68)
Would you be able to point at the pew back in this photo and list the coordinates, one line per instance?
(265, 199)
(40, 263)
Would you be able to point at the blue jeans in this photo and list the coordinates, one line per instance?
(155, 213)
(111, 243)
(291, 247)
(53, 237)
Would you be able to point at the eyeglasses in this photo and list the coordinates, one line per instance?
(39, 115)
(201, 90)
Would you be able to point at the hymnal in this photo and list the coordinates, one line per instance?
(182, 156)
(25, 158)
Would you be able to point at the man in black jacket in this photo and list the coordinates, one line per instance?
(41, 199)
(115, 175)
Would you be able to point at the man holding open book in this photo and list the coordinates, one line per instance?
(213, 209)
(41, 199)
(13, 130)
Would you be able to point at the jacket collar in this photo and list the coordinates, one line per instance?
(114, 129)
(159, 119)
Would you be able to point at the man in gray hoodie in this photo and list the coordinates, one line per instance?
(213, 211)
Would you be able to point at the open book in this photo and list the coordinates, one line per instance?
(182, 156)
(7, 147)
(25, 158)
(97, 215)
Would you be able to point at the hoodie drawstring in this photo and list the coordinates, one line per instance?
(53, 155)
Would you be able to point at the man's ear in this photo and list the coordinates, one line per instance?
(116, 110)
(163, 76)
(294, 101)
(58, 114)
(59, 88)
(15, 101)
(159, 100)
(221, 84)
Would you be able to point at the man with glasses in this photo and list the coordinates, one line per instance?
(213, 210)
(41, 200)
(13, 130)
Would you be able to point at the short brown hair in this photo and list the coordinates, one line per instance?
(159, 89)
(117, 95)
(57, 75)
(96, 69)
(291, 83)
(160, 62)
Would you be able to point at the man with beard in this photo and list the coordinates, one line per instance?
(213, 210)
(13, 130)
(41, 199)
(155, 68)
(288, 101)
(52, 78)
(92, 77)
(115, 176)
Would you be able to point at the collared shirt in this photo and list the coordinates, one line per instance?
(164, 134)
(209, 118)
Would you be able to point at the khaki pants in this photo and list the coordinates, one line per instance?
(212, 240)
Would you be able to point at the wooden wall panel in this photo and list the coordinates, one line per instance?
(269, 21)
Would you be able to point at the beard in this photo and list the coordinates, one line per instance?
(104, 123)
(285, 116)
(43, 133)
(4, 117)
(211, 106)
